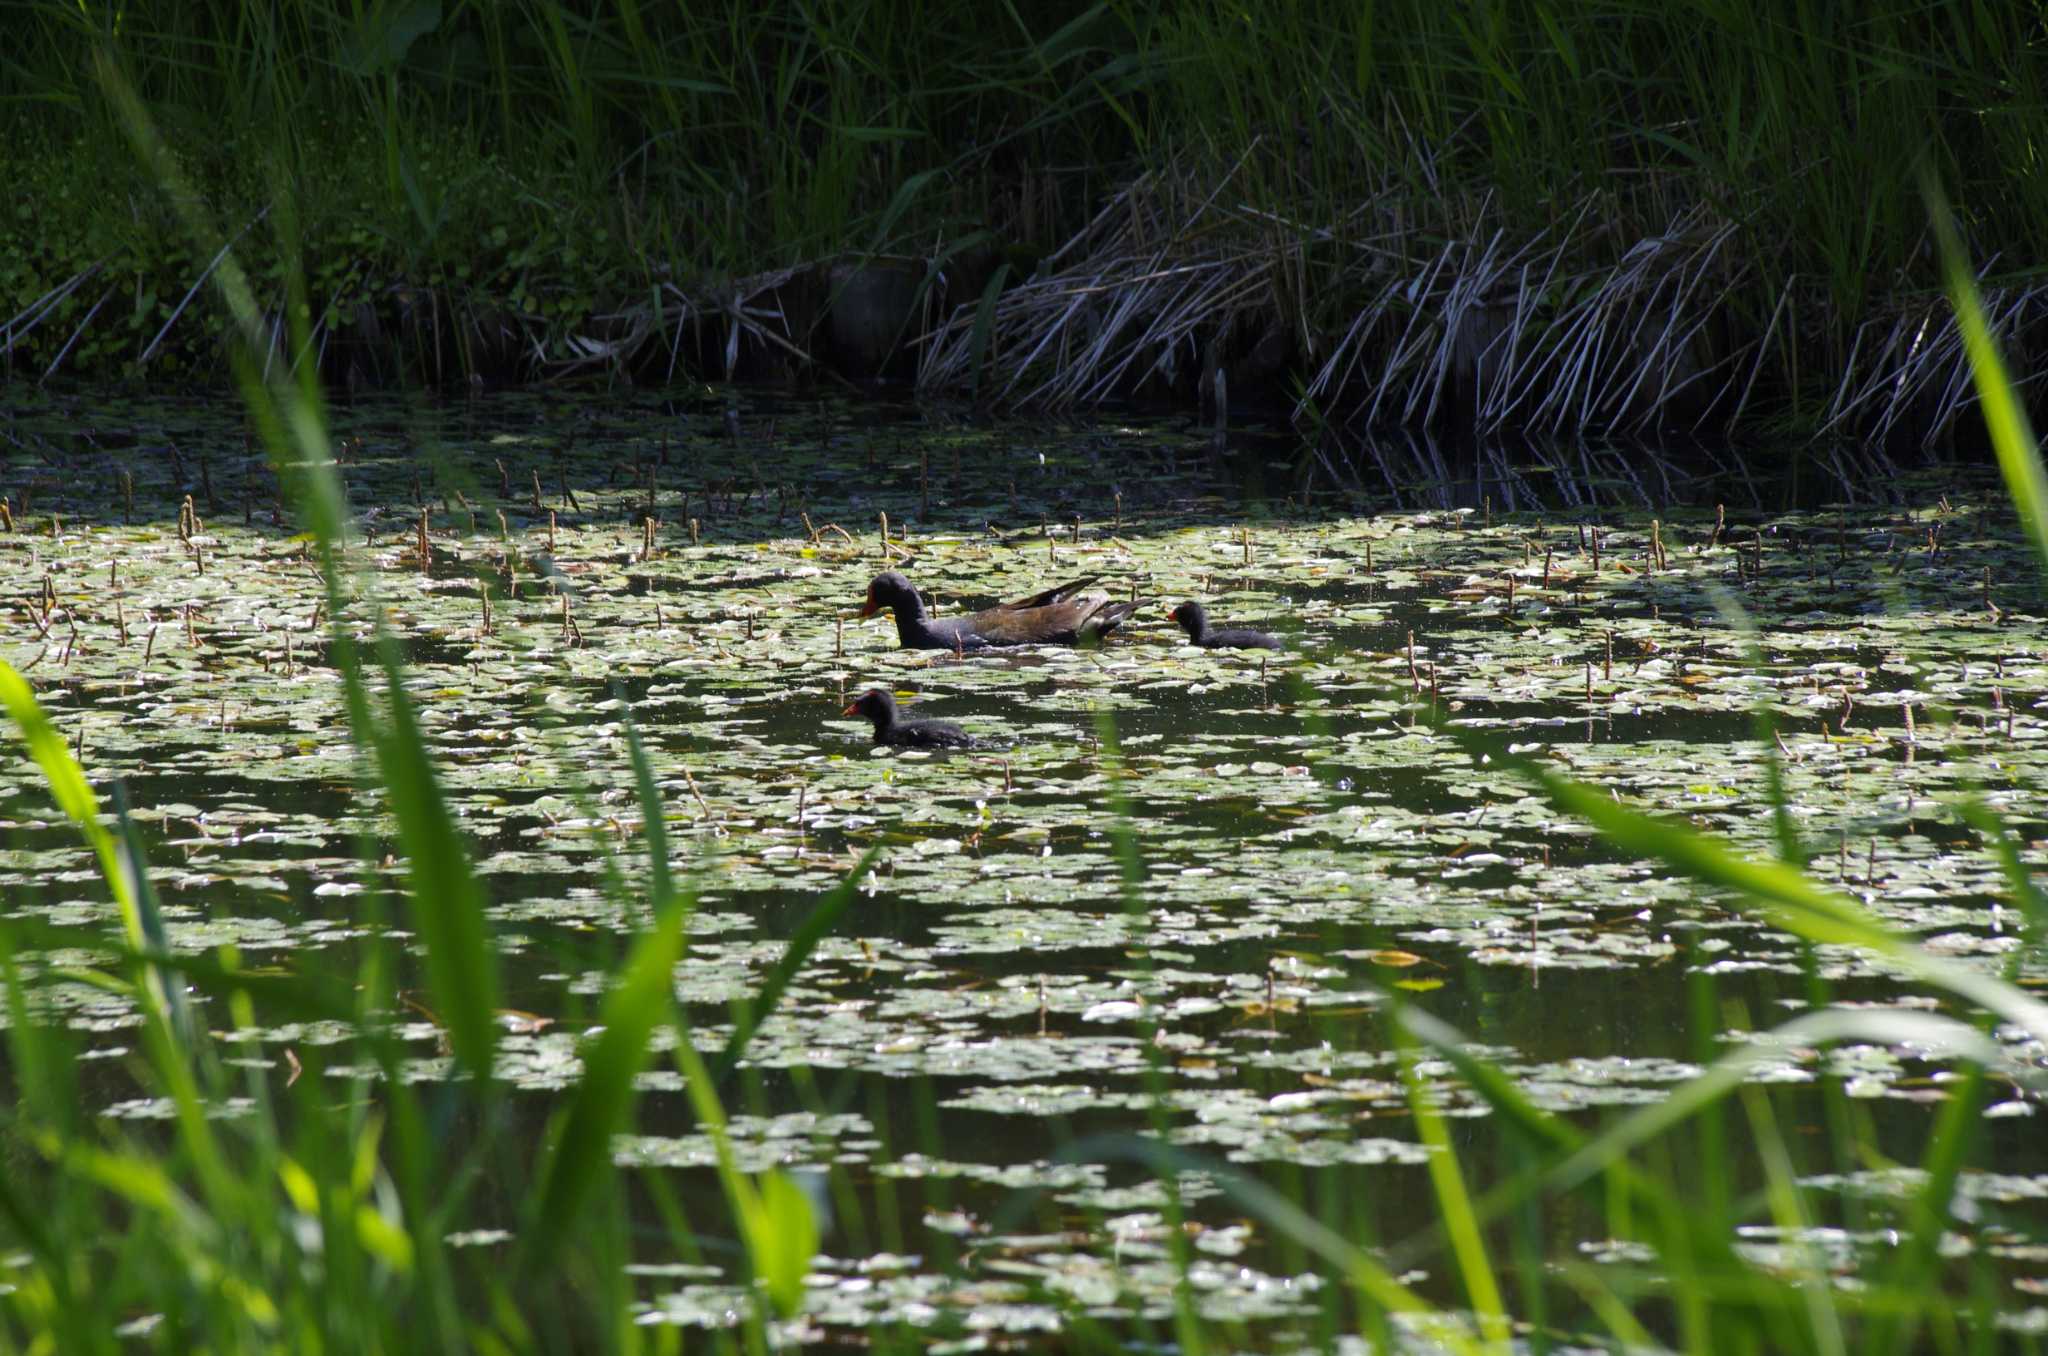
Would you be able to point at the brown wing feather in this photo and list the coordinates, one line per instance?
(1060, 623)
(1057, 594)
(1055, 625)
(1108, 617)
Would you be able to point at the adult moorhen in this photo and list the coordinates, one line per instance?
(1195, 622)
(891, 729)
(1066, 615)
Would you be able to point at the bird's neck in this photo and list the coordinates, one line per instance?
(911, 621)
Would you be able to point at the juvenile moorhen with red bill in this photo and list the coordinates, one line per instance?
(1066, 615)
(891, 729)
(1195, 622)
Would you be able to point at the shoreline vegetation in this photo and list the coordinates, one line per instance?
(1572, 218)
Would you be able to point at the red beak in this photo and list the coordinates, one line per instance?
(852, 709)
(869, 608)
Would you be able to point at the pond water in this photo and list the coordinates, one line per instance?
(1313, 843)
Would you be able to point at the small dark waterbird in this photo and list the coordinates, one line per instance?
(891, 729)
(1068, 614)
(1195, 622)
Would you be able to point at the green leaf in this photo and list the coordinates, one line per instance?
(984, 324)
(782, 1238)
(1788, 897)
(807, 937)
(2012, 434)
(382, 40)
(66, 779)
(462, 965)
(121, 861)
(580, 1155)
(900, 201)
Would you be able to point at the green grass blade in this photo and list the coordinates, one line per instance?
(1788, 897)
(1375, 1283)
(984, 326)
(121, 861)
(1791, 850)
(447, 902)
(1814, 1285)
(1916, 1269)
(783, 1238)
(73, 795)
(741, 1195)
(580, 1156)
(899, 203)
(774, 1259)
(150, 915)
(654, 825)
(1582, 1158)
(2026, 891)
(1454, 1209)
(1646, 1123)
(813, 930)
(2012, 434)
(43, 1070)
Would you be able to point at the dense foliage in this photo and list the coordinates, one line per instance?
(522, 176)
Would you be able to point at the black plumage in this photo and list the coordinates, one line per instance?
(891, 729)
(1195, 622)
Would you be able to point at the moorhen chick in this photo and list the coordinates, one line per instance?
(1066, 615)
(1195, 622)
(891, 729)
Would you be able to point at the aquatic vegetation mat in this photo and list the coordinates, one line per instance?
(1005, 1002)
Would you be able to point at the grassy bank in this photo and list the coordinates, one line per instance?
(1575, 216)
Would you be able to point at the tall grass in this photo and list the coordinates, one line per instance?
(1571, 216)
(1666, 212)
(327, 1221)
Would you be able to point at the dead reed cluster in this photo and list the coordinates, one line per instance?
(1396, 320)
